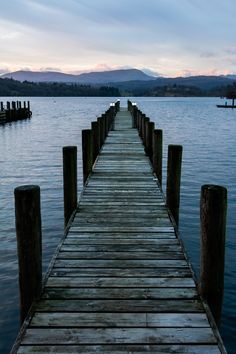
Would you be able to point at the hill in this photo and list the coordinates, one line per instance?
(103, 77)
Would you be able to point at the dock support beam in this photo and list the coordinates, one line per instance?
(69, 181)
(157, 148)
(29, 245)
(213, 208)
(173, 180)
(87, 147)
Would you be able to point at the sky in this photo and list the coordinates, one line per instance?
(163, 37)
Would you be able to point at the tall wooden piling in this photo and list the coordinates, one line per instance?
(29, 245)
(149, 139)
(96, 139)
(157, 153)
(87, 152)
(173, 180)
(70, 181)
(213, 208)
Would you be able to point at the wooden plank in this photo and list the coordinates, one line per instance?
(118, 335)
(114, 319)
(74, 254)
(119, 282)
(121, 305)
(124, 293)
(121, 349)
(122, 272)
(123, 229)
(124, 263)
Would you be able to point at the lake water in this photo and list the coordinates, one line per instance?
(31, 153)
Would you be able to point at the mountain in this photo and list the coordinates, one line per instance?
(232, 76)
(103, 77)
(38, 76)
(202, 82)
(114, 76)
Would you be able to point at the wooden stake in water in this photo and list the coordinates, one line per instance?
(173, 180)
(213, 225)
(29, 245)
(70, 181)
(87, 151)
(157, 148)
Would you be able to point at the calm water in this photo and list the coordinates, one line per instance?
(31, 154)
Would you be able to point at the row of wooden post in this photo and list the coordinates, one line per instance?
(153, 143)
(28, 214)
(213, 206)
(15, 110)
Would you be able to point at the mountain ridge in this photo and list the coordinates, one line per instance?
(99, 77)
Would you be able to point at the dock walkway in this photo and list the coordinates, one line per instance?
(120, 282)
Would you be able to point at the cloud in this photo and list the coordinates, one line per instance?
(207, 54)
(150, 72)
(164, 36)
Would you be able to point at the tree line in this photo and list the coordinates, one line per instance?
(10, 87)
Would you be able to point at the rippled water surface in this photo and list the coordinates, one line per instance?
(31, 154)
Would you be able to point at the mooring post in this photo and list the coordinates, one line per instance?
(149, 137)
(69, 181)
(213, 207)
(145, 123)
(173, 180)
(2, 107)
(87, 153)
(157, 148)
(103, 129)
(134, 115)
(95, 139)
(99, 120)
(29, 245)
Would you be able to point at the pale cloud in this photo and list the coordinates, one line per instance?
(165, 36)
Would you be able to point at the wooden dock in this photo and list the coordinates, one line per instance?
(14, 111)
(120, 281)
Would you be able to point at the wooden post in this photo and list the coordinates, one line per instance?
(134, 115)
(213, 208)
(173, 180)
(99, 120)
(149, 136)
(70, 181)
(28, 105)
(103, 130)
(87, 151)
(139, 119)
(95, 139)
(29, 245)
(2, 107)
(157, 147)
(145, 127)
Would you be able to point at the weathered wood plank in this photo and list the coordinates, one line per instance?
(75, 238)
(114, 319)
(124, 263)
(121, 349)
(119, 335)
(123, 229)
(120, 305)
(122, 272)
(74, 254)
(119, 282)
(124, 293)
